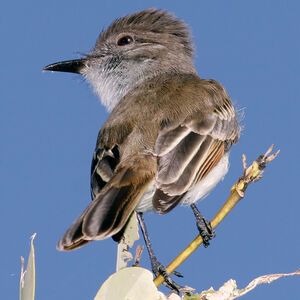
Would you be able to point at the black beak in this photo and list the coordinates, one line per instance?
(72, 66)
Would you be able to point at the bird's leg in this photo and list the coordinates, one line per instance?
(204, 226)
(157, 267)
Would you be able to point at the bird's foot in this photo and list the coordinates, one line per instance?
(159, 269)
(205, 229)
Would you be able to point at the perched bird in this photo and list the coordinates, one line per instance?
(167, 139)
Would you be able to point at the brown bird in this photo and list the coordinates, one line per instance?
(167, 139)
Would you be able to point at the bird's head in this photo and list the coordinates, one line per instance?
(132, 49)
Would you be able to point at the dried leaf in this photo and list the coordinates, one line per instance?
(131, 234)
(229, 290)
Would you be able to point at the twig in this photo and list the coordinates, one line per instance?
(250, 174)
(138, 254)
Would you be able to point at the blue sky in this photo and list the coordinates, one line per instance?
(49, 123)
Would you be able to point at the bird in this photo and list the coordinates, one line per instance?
(167, 139)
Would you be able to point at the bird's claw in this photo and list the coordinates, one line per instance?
(159, 269)
(205, 230)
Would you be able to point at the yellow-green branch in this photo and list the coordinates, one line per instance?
(251, 174)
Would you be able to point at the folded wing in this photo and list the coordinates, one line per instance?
(187, 152)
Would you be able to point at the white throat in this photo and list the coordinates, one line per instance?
(111, 84)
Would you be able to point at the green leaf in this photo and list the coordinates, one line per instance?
(192, 297)
(27, 279)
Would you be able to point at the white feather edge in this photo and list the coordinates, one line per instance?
(199, 191)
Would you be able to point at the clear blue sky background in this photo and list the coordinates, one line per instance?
(49, 123)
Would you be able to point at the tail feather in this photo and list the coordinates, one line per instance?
(109, 212)
(73, 238)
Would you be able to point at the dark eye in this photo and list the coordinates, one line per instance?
(125, 40)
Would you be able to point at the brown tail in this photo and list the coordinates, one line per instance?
(109, 212)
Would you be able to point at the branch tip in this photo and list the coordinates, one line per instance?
(269, 150)
(251, 174)
(244, 161)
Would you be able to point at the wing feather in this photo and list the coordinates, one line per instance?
(168, 140)
(182, 164)
(185, 178)
(173, 163)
